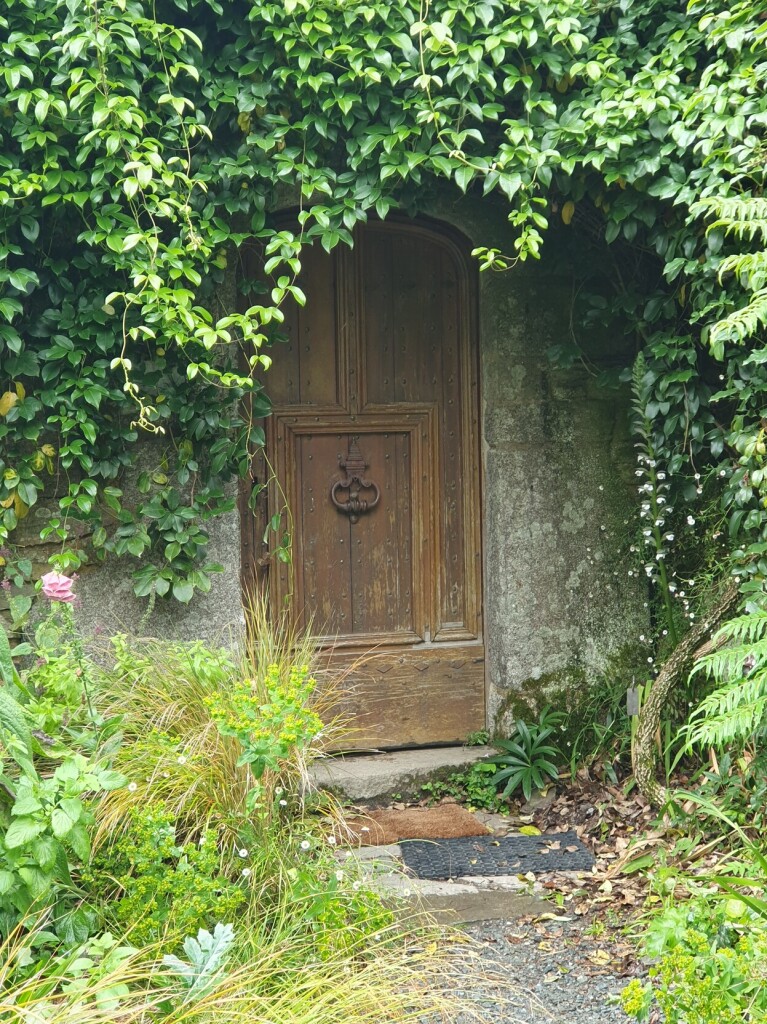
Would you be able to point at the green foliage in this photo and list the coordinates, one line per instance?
(206, 957)
(213, 732)
(44, 833)
(142, 148)
(314, 943)
(737, 783)
(735, 710)
(710, 955)
(475, 787)
(165, 889)
(528, 758)
(270, 717)
(339, 909)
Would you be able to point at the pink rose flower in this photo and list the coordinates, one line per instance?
(58, 587)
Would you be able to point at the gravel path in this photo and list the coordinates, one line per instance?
(520, 973)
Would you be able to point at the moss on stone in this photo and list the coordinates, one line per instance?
(571, 690)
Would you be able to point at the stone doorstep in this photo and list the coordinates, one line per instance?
(455, 901)
(367, 777)
(374, 777)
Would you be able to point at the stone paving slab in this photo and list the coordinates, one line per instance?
(459, 900)
(371, 777)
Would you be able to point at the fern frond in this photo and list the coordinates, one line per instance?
(737, 707)
(747, 228)
(733, 209)
(743, 629)
(733, 712)
(750, 267)
(742, 323)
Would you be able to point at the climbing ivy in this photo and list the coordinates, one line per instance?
(143, 145)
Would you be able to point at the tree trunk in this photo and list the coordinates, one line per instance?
(676, 670)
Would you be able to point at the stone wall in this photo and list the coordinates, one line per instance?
(559, 488)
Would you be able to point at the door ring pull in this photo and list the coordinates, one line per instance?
(354, 482)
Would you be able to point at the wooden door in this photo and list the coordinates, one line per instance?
(374, 444)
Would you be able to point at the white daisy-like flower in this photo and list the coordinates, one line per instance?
(339, 876)
(246, 872)
(132, 787)
(332, 840)
(242, 853)
(305, 844)
(181, 759)
(283, 803)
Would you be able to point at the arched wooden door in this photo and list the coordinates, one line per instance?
(374, 441)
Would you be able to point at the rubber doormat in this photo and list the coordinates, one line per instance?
(486, 855)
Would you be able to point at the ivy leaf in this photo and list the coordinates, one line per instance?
(183, 591)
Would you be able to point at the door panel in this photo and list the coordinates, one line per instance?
(374, 443)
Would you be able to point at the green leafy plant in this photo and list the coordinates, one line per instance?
(708, 953)
(475, 787)
(528, 758)
(477, 739)
(272, 719)
(212, 732)
(736, 708)
(207, 956)
(164, 889)
(43, 825)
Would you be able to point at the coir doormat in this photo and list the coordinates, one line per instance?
(390, 825)
(486, 855)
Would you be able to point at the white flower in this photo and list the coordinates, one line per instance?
(132, 787)
(181, 759)
(339, 876)
(356, 886)
(691, 520)
(305, 844)
(283, 803)
(332, 840)
(246, 872)
(242, 853)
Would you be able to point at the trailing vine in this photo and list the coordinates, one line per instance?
(142, 146)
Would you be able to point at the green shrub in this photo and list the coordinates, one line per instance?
(161, 889)
(710, 967)
(473, 786)
(526, 756)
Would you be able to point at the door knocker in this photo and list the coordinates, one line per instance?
(354, 482)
